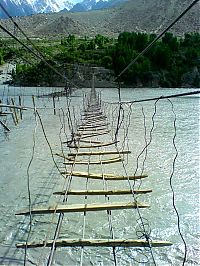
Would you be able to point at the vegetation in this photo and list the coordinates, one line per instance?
(7, 52)
(171, 62)
(168, 60)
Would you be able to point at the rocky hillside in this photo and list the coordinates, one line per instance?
(29, 7)
(154, 15)
(134, 15)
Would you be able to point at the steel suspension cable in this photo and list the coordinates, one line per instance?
(156, 39)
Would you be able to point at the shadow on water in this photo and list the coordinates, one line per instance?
(49, 185)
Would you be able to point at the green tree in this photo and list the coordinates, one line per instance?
(171, 41)
(161, 56)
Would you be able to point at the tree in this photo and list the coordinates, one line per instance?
(171, 41)
(1, 58)
(71, 39)
(161, 56)
(100, 41)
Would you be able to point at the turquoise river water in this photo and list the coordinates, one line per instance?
(16, 149)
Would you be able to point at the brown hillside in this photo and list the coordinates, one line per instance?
(135, 15)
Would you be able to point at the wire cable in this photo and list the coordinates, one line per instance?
(28, 186)
(171, 185)
(40, 56)
(156, 39)
(158, 98)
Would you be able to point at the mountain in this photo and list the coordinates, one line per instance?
(48, 6)
(17, 8)
(154, 16)
(134, 15)
(87, 5)
(61, 25)
(28, 7)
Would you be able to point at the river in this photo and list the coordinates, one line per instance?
(16, 149)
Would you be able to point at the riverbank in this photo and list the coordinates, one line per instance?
(104, 78)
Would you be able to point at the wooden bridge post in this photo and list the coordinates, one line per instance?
(20, 104)
(54, 106)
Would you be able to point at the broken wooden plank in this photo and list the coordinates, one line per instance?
(84, 207)
(103, 176)
(102, 192)
(108, 161)
(95, 243)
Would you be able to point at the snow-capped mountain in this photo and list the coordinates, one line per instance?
(28, 7)
(17, 8)
(48, 6)
(87, 5)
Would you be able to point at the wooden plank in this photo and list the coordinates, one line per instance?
(102, 192)
(20, 104)
(5, 113)
(89, 153)
(82, 140)
(95, 243)
(84, 126)
(94, 135)
(91, 141)
(103, 176)
(12, 106)
(84, 207)
(14, 110)
(84, 134)
(92, 146)
(72, 155)
(92, 121)
(92, 130)
(92, 113)
(108, 161)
